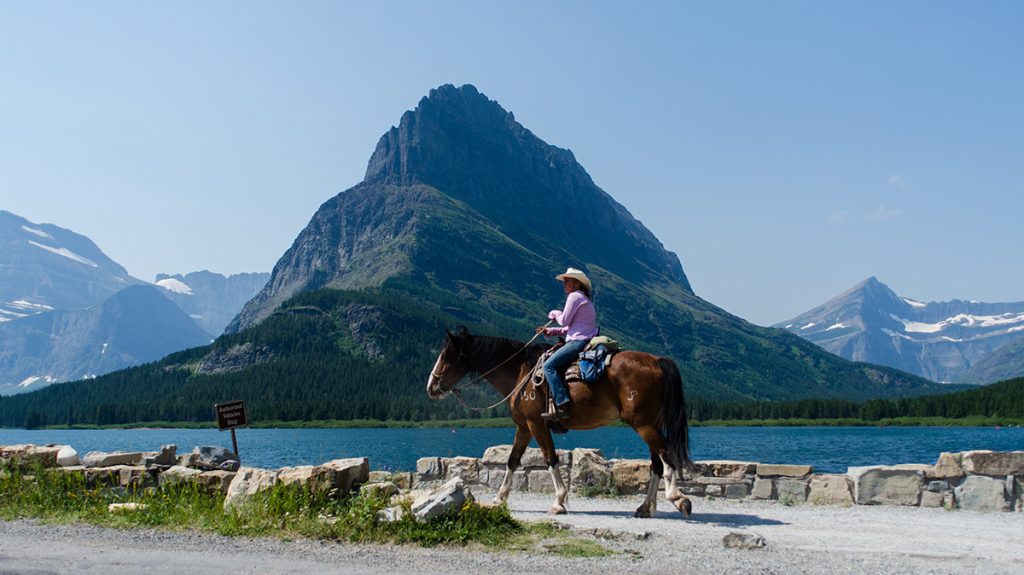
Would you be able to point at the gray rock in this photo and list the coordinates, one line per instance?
(382, 490)
(589, 469)
(931, 499)
(938, 486)
(791, 491)
(391, 514)
(978, 493)
(994, 463)
(949, 466)
(167, 455)
(67, 456)
(729, 468)
(881, 485)
(830, 490)
(631, 475)
(177, 474)
(448, 498)
(735, 491)
(778, 470)
(743, 540)
(468, 468)
(246, 483)
(104, 459)
(763, 488)
(428, 468)
(212, 457)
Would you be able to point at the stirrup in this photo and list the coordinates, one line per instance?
(558, 414)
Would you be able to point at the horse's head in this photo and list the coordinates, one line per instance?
(451, 365)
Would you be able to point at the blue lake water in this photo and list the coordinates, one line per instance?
(828, 449)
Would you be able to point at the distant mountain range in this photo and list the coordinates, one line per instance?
(211, 299)
(954, 341)
(67, 311)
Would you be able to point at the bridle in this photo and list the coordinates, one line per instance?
(456, 390)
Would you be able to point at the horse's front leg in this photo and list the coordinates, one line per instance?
(518, 447)
(547, 447)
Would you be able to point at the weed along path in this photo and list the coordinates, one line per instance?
(597, 536)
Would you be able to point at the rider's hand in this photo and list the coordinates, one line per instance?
(539, 329)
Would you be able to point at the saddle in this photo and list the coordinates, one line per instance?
(589, 368)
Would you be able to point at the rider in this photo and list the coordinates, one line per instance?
(579, 323)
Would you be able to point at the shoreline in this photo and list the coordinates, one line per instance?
(505, 422)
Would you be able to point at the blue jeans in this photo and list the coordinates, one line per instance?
(557, 363)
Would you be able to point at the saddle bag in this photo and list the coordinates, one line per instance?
(594, 362)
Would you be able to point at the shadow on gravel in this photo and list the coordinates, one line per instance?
(732, 519)
(723, 519)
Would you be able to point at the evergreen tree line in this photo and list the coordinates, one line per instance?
(1004, 399)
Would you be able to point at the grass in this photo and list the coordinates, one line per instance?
(286, 512)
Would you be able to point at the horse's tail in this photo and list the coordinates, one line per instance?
(674, 426)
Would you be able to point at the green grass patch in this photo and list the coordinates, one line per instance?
(285, 512)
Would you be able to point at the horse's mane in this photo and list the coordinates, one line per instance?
(497, 349)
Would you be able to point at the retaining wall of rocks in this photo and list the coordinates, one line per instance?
(972, 480)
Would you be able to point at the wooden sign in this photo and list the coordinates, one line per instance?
(231, 414)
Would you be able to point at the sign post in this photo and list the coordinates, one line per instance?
(230, 415)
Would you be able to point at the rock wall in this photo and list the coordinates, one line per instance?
(970, 480)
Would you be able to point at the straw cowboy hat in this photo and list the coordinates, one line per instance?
(576, 275)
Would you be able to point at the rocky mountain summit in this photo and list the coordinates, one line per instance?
(941, 341)
(463, 209)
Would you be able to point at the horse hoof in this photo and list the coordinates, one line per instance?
(643, 512)
(684, 506)
(557, 510)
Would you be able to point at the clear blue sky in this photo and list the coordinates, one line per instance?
(784, 150)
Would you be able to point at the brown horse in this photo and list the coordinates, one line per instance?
(643, 390)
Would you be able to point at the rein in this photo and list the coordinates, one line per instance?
(457, 391)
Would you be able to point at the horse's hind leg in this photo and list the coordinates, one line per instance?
(518, 447)
(652, 436)
(547, 446)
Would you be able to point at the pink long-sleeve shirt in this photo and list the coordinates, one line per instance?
(578, 319)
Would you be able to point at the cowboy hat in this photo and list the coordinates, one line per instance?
(577, 275)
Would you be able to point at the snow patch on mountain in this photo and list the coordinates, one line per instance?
(963, 319)
(175, 285)
(914, 303)
(839, 325)
(37, 232)
(809, 326)
(35, 379)
(66, 253)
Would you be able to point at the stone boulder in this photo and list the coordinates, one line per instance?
(342, 474)
(468, 468)
(217, 481)
(430, 468)
(882, 485)
(382, 490)
(791, 491)
(949, 466)
(212, 457)
(727, 468)
(178, 474)
(448, 498)
(104, 459)
(167, 456)
(496, 455)
(68, 457)
(30, 454)
(737, 540)
(533, 458)
(830, 490)
(763, 488)
(589, 469)
(631, 475)
(248, 482)
(994, 463)
(779, 470)
(978, 493)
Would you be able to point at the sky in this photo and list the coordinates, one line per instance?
(785, 151)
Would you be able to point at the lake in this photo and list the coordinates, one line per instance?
(828, 449)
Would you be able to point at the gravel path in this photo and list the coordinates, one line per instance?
(801, 539)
